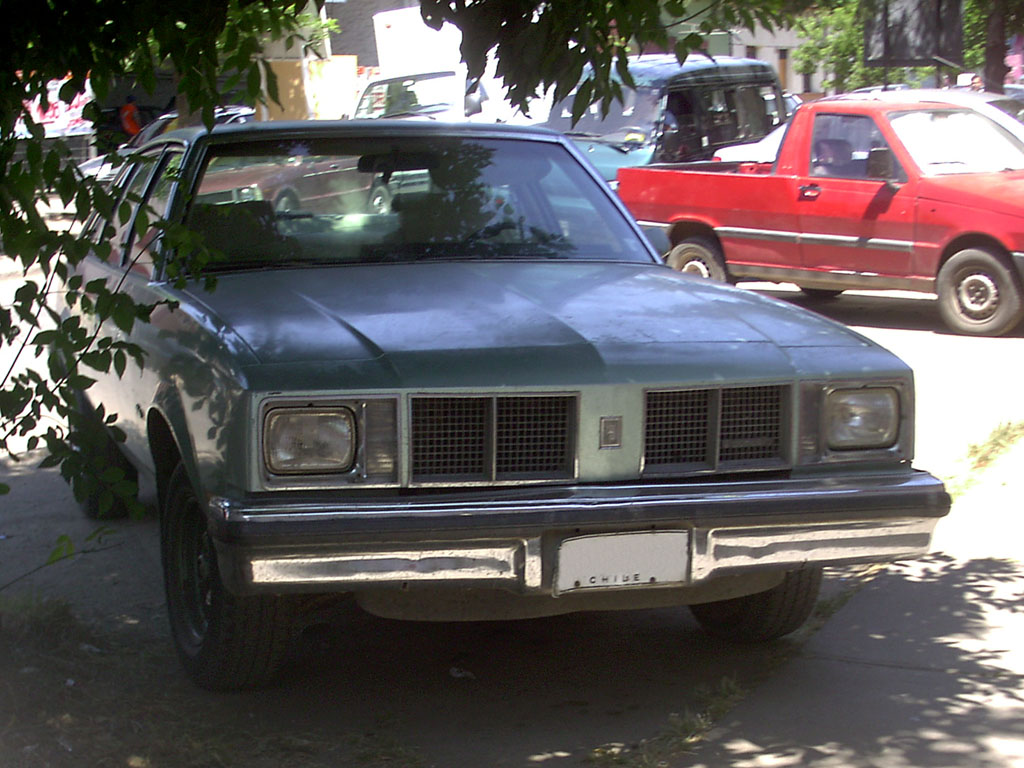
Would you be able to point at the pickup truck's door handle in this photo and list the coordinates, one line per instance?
(809, 191)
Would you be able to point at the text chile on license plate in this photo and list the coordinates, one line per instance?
(617, 560)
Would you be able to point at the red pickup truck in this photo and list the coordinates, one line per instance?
(863, 194)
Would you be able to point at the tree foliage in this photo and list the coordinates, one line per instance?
(46, 357)
(551, 45)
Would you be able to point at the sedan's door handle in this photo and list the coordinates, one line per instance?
(809, 191)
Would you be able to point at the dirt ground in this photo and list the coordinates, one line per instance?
(88, 676)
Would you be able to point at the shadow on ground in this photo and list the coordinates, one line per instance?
(922, 668)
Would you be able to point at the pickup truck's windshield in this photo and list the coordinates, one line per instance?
(957, 141)
(300, 202)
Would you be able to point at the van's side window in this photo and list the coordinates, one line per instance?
(681, 138)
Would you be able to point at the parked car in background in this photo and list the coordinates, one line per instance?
(491, 401)
(104, 167)
(678, 112)
(763, 151)
(868, 192)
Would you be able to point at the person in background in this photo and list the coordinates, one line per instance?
(977, 84)
(129, 114)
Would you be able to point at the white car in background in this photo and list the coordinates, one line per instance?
(1001, 108)
(763, 151)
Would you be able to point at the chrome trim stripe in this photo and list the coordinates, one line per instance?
(744, 233)
(658, 224)
(813, 238)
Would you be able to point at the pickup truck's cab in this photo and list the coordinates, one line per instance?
(864, 194)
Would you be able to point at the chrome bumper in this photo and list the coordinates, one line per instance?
(513, 544)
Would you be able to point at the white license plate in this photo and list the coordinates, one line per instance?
(618, 560)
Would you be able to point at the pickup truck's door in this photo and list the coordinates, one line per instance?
(857, 228)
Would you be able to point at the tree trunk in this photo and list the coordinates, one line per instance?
(995, 48)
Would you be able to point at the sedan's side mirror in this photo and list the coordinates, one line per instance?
(881, 164)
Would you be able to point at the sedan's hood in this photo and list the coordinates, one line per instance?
(999, 192)
(517, 324)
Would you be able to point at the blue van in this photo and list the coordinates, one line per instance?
(678, 112)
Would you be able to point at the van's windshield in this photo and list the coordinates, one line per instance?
(632, 121)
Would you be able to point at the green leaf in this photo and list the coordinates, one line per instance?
(63, 549)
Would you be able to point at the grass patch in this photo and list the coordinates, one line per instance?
(982, 455)
(679, 735)
(999, 441)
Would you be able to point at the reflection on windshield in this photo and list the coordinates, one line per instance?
(278, 204)
(415, 95)
(631, 121)
(945, 142)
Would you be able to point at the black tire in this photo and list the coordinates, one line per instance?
(765, 615)
(820, 293)
(698, 256)
(224, 641)
(979, 294)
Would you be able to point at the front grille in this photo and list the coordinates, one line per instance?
(716, 429)
(493, 439)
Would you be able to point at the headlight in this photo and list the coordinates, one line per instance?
(313, 441)
(862, 418)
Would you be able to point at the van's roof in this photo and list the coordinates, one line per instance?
(664, 69)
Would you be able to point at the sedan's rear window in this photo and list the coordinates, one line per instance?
(398, 199)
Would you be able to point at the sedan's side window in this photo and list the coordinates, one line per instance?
(141, 247)
(119, 227)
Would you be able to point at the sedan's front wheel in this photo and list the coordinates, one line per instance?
(224, 641)
(764, 615)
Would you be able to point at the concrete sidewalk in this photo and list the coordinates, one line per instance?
(924, 666)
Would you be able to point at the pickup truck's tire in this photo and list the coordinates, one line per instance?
(979, 294)
(765, 615)
(698, 256)
(379, 200)
(224, 641)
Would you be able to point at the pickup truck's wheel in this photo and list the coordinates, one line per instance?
(979, 294)
(698, 256)
(764, 615)
(380, 199)
(224, 641)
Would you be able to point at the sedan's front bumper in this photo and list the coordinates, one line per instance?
(512, 539)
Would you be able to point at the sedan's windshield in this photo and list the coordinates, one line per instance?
(302, 202)
(957, 141)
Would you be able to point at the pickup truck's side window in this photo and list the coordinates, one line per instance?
(841, 144)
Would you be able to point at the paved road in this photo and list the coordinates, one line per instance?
(540, 692)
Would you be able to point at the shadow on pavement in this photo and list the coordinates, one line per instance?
(922, 668)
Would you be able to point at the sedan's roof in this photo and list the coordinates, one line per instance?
(347, 128)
